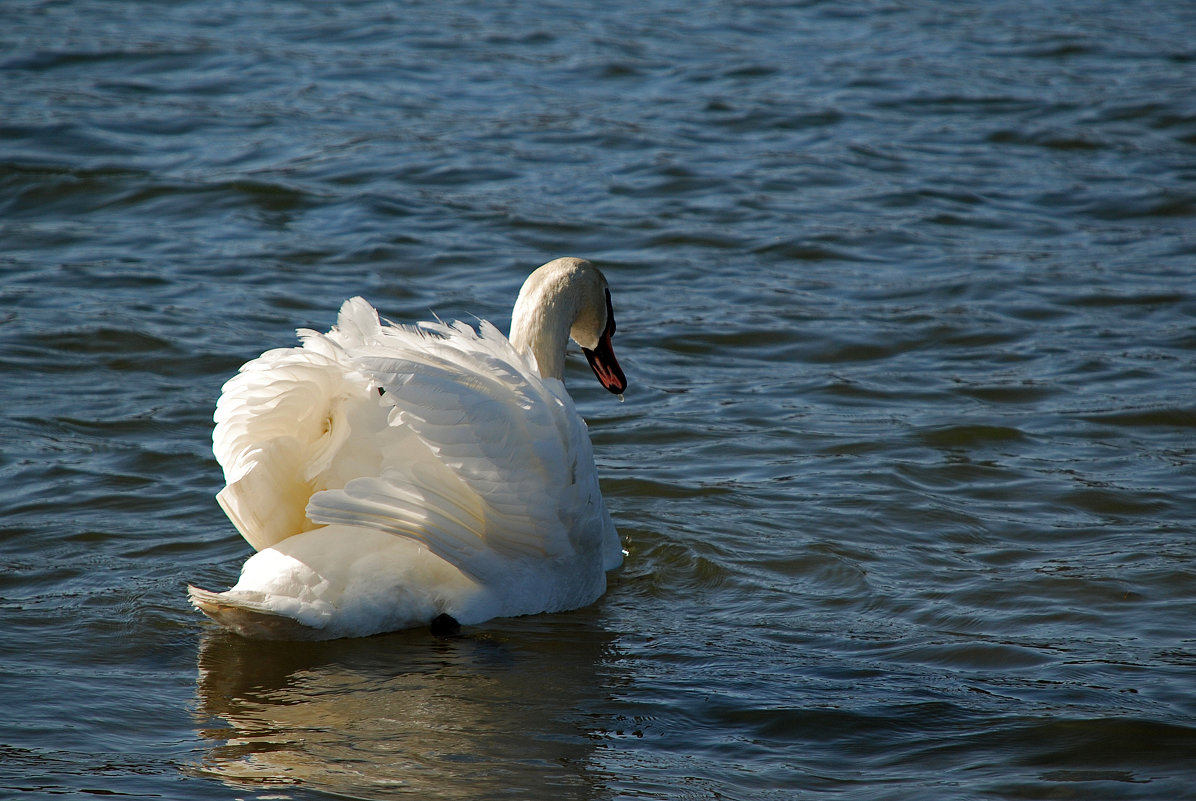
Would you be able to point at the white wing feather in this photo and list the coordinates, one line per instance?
(279, 424)
(500, 437)
(467, 451)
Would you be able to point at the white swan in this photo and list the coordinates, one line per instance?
(391, 475)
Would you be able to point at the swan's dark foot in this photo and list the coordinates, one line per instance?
(445, 626)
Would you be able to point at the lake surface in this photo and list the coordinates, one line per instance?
(906, 295)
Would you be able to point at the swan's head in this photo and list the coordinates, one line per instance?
(568, 298)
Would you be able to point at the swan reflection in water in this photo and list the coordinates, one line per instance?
(508, 710)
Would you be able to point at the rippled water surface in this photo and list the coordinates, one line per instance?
(906, 296)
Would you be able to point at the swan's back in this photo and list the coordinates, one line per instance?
(441, 435)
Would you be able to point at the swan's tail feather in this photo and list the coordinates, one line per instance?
(248, 619)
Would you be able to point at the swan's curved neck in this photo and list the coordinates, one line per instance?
(541, 320)
(564, 298)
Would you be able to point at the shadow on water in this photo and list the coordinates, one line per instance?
(406, 714)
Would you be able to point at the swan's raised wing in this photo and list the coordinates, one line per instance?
(280, 423)
(503, 464)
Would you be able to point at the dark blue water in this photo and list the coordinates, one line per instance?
(906, 296)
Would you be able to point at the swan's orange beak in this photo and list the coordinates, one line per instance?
(605, 366)
(602, 358)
